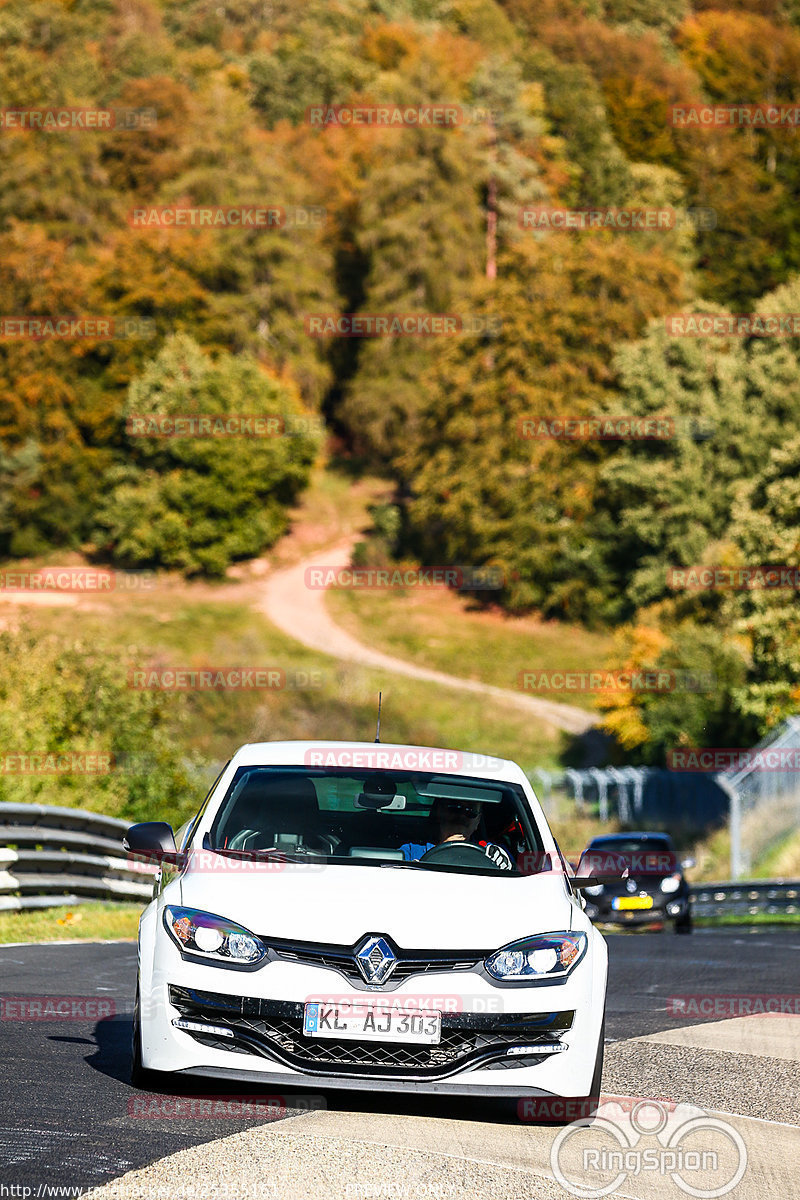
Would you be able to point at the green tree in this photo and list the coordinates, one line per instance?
(198, 503)
(482, 491)
(766, 531)
(70, 698)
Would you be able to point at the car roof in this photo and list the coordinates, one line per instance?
(386, 756)
(603, 838)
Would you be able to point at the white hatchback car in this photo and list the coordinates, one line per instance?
(360, 915)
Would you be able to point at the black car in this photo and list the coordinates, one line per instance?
(655, 889)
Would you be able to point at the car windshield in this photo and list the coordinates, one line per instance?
(377, 818)
(644, 855)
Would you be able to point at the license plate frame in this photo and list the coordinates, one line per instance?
(363, 1022)
(630, 903)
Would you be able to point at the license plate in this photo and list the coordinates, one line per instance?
(632, 902)
(367, 1022)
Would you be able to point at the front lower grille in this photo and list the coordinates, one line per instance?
(274, 1029)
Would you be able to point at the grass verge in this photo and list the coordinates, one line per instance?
(444, 630)
(96, 921)
(749, 919)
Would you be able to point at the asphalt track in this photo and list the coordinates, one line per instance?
(69, 1115)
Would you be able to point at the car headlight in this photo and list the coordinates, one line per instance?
(671, 883)
(593, 891)
(546, 956)
(206, 936)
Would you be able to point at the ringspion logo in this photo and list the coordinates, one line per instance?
(704, 1156)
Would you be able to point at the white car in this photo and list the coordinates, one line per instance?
(360, 915)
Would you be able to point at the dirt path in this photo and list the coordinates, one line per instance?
(301, 613)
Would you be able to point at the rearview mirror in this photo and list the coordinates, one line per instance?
(152, 840)
(598, 867)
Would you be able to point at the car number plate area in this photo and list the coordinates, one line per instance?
(632, 902)
(371, 1023)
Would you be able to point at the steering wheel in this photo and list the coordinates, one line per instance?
(459, 854)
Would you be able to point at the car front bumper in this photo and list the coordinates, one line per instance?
(669, 908)
(263, 1010)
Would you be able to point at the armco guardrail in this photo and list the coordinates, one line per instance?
(746, 897)
(51, 856)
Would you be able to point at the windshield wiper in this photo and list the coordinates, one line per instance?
(270, 852)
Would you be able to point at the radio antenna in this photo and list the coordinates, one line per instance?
(378, 732)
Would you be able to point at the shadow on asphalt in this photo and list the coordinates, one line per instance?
(111, 1057)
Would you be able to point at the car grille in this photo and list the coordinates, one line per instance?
(342, 959)
(274, 1029)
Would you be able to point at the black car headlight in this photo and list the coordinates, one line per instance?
(548, 956)
(205, 935)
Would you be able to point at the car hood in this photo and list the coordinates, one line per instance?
(418, 909)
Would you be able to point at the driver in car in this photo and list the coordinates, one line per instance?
(457, 821)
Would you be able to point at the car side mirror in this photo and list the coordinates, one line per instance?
(598, 867)
(153, 840)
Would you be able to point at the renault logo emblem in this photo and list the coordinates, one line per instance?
(375, 958)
